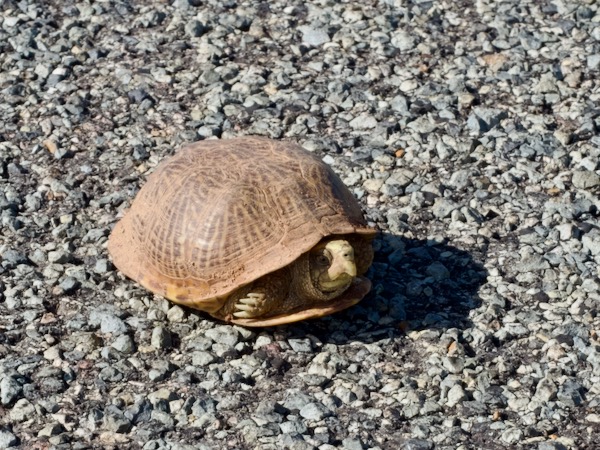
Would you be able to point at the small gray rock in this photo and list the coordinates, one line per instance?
(163, 417)
(184, 4)
(397, 181)
(296, 400)
(363, 122)
(161, 369)
(443, 207)
(344, 394)
(224, 334)
(460, 179)
(566, 231)
(531, 263)
(570, 393)
(62, 153)
(199, 343)
(529, 42)
(102, 265)
(59, 257)
(481, 120)
(551, 445)
(42, 71)
(57, 75)
(194, 28)
(584, 179)
(293, 426)
(417, 444)
(111, 374)
(453, 364)
(315, 411)
(69, 284)
(162, 394)
(404, 40)
(361, 154)
(223, 350)
(10, 390)
(300, 345)
(51, 429)
(456, 394)
(12, 258)
(593, 61)
(314, 36)
(115, 420)
(546, 390)
(352, 444)
(139, 412)
(201, 358)
(8, 439)
(400, 104)
(424, 124)
(161, 338)
(22, 410)
(591, 242)
(512, 435)
(124, 344)
(176, 314)
(112, 324)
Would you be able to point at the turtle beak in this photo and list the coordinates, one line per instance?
(342, 260)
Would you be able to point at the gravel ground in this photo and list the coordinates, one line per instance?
(467, 129)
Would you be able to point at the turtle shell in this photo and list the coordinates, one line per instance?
(220, 214)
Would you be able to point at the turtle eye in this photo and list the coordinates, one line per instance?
(323, 259)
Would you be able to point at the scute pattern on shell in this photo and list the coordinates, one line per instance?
(222, 213)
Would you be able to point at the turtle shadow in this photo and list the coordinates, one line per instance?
(417, 284)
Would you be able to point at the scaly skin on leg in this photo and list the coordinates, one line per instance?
(261, 298)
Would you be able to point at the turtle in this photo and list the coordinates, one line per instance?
(253, 231)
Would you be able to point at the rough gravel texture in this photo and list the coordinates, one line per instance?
(467, 129)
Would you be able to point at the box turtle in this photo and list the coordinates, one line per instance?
(253, 231)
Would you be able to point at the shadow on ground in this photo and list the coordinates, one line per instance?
(417, 284)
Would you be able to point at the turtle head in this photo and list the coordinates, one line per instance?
(332, 265)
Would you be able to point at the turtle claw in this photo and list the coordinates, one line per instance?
(249, 306)
(242, 307)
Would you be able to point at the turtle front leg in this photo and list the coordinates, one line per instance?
(250, 306)
(263, 298)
